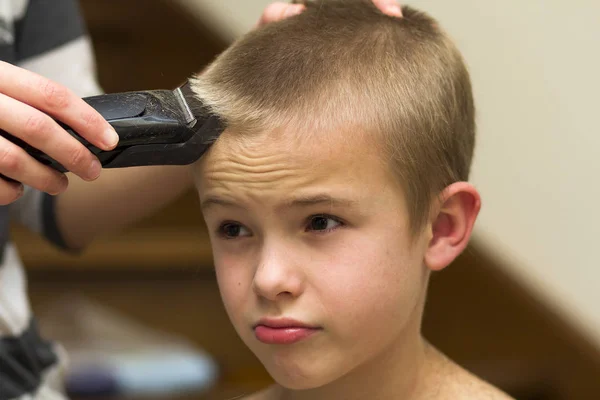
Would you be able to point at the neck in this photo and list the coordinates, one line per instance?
(397, 373)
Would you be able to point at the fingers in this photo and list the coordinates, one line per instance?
(43, 133)
(15, 163)
(389, 7)
(278, 11)
(59, 102)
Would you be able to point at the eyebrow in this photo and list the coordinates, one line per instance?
(301, 201)
(307, 201)
(211, 201)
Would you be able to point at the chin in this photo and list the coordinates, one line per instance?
(302, 374)
(296, 382)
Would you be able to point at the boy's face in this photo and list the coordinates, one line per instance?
(314, 259)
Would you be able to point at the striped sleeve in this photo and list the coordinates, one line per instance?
(46, 25)
(51, 40)
(36, 211)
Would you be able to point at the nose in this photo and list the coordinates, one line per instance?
(278, 276)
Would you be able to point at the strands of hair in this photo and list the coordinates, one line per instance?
(344, 65)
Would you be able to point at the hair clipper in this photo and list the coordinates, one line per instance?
(155, 127)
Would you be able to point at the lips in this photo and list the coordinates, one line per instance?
(283, 331)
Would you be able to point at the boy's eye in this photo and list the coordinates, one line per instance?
(232, 230)
(323, 223)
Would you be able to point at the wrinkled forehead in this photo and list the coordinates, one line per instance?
(296, 146)
(277, 154)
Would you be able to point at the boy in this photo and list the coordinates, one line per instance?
(338, 186)
(36, 37)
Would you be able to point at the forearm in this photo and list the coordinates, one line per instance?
(118, 198)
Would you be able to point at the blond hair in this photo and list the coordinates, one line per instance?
(343, 63)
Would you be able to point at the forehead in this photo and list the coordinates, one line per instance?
(300, 145)
(280, 161)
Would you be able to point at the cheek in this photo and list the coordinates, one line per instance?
(234, 281)
(370, 283)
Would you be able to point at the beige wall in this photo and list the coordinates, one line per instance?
(535, 66)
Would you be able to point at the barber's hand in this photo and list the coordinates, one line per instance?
(280, 10)
(23, 97)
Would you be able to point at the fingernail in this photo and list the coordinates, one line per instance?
(111, 138)
(95, 169)
(293, 10)
(64, 182)
(394, 10)
(20, 190)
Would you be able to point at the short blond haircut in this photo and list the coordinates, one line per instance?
(343, 63)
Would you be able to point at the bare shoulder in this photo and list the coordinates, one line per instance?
(468, 386)
(452, 382)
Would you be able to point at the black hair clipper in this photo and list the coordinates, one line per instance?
(155, 127)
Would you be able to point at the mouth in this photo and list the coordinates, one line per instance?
(283, 331)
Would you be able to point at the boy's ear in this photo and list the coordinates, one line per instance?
(452, 225)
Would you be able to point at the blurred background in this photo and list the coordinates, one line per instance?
(521, 307)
